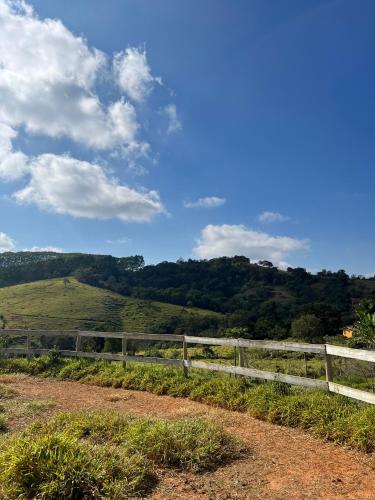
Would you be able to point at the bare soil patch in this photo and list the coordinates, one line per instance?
(283, 463)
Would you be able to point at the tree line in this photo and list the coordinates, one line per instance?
(257, 299)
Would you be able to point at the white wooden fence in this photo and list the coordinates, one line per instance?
(326, 350)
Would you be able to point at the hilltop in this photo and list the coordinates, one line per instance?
(64, 303)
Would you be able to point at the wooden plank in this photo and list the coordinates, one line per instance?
(252, 372)
(39, 333)
(347, 352)
(116, 335)
(160, 361)
(259, 344)
(154, 337)
(350, 392)
(133, 336)
(111, 335)
(283, 346)
(21, 351)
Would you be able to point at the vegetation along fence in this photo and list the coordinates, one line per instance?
(326, 350)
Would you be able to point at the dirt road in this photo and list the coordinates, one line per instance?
(282, 463)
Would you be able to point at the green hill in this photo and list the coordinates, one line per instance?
(65, 303)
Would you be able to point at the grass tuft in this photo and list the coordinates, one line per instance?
(106, 455)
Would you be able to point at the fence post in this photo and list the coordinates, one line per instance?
(185, 357)
(78, 342)
(28, 344)
(328, 363)
(241, 356)
(124, 349)
(305, 360)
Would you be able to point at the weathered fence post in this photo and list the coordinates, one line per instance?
(124, 349)
(305, 360)
(242, 357)
(328, 363)
(185, 357)
(78, 342)
(28, 344)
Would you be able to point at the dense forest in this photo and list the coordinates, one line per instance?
(256, 299)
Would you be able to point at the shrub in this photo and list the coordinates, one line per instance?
(308, 328)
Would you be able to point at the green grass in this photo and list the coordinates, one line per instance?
(106, 455)
(69, 304)
(326, 415)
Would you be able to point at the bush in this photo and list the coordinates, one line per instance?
(308, 328)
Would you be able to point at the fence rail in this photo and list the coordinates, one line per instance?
(326, 350)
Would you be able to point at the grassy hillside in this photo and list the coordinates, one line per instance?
(68, 304)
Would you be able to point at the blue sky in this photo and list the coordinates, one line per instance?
(190, 129)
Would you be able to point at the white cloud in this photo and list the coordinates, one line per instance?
(229, 240)
(48, 80)
(47, 83)
(268, 217)
(174, 123)
(6, 243)
(13, 164)
(44, 249)
(207, 202)
(65, 185)
(133, 74)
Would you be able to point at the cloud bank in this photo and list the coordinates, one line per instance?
(229, 240)
(48, 86)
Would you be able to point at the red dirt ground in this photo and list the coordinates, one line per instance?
(282, 463)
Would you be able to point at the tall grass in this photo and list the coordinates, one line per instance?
(5, 394)
(106, 455)
(327, 415)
